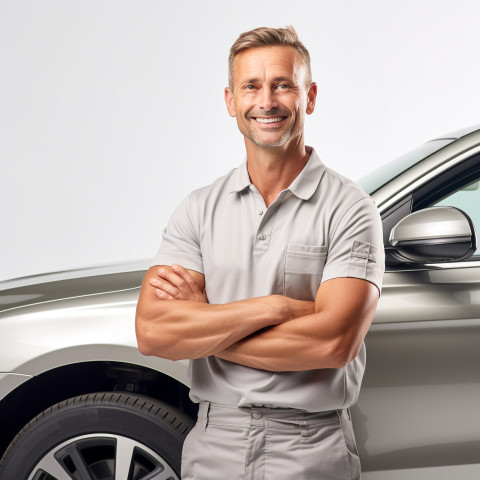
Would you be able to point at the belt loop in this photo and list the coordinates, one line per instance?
(303, 430)
(203, 410)
(302, 424)
(344, 414)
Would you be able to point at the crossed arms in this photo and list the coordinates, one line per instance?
(274, 332)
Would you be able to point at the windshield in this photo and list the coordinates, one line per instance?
(374, 180)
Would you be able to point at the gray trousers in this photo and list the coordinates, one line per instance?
(230, 443)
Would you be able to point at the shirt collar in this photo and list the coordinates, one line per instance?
(308, 179)
(240, 179)
(303, 186)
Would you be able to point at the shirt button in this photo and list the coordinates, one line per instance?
(256, 414)
(262, 236)
(260, 212)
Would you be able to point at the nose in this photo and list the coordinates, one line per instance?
(268, 99)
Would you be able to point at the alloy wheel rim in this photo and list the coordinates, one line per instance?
(102, 457)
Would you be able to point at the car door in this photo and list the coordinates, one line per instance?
(418, 415)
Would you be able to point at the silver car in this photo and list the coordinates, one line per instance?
(78, 401)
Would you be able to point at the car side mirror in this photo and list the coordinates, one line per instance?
(433, 235)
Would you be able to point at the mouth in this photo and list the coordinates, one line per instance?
(266, 120)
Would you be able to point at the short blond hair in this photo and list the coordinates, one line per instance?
(267, 37)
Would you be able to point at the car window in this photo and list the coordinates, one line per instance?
(466, 198)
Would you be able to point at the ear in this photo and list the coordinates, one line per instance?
(229, 101)
(311, 98)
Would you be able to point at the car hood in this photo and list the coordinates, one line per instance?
(68, 284)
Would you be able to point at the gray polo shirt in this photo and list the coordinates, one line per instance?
(322, 227)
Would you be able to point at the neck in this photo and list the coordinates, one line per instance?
(273, 169)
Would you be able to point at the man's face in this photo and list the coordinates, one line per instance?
(270, 95)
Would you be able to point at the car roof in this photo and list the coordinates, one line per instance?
(451, 142)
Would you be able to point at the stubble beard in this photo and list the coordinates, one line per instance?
(284, 139)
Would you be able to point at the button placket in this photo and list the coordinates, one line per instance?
(266, 219)
(261, 241)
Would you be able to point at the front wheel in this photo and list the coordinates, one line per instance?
(103, 436)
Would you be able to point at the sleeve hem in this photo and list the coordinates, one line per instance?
(168, 258)
(348, 273)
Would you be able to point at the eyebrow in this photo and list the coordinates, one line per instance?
(283, 79)
(250, 80)
(275, 79)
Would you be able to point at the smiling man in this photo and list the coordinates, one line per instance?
(268, 281)
(270, 117)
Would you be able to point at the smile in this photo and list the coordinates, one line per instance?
(269, 120)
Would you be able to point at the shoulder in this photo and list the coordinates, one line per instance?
(339, 194)
(221, 185)
(341, 187)
(200, 203)
(346, 204)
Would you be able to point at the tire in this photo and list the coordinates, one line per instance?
(102, 436)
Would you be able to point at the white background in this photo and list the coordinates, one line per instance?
(111, 111)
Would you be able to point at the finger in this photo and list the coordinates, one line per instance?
(185, 274)
(165, 286)
(163, 295)
(171, 277)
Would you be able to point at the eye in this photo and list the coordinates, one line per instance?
(249, 87)
(282, 86)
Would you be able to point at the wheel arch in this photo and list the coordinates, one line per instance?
(86, 375)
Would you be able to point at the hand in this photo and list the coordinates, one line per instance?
(176, 283)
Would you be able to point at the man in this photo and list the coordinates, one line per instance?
(268, 280)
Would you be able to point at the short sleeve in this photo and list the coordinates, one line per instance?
(356, 247)
(180, 242)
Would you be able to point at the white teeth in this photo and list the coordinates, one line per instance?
(269, 120)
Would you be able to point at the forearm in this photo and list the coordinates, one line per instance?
(329, 338)
(174, 321)
(287, 347)
(186, 329)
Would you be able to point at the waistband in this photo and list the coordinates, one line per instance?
(217, 414)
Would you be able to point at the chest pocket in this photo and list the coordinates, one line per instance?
(303, 270)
